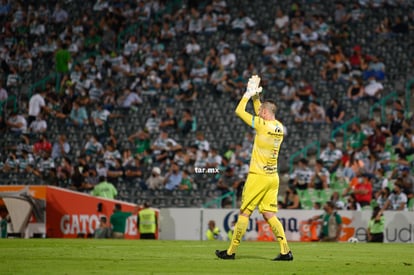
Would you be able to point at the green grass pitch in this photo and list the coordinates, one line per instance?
(90, 256)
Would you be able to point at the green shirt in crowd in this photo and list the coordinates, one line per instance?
(105, 189)
(118, 221)
(62, 59)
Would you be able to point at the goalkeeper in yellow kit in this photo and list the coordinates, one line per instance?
(262, 184)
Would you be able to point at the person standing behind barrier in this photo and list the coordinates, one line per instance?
(331, 223)
(375, 230)
(118, 221)
(104, 229)
(213, 232)
(147, 222)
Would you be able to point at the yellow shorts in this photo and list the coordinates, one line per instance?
(260, 191)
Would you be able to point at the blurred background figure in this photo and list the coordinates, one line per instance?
(375, 230)
(213, 232)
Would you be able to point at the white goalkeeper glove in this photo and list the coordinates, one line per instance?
(253, 87)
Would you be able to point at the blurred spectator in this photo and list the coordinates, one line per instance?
(134, 172)
(209, 20)
(111, 154)
(201, 159)
(305, 91)
(63, 59)
(92, 146)
(397, 200)
(228, 59)
(37, 104)
(335, 114)
(3, 93)
(316, 113)
(331, 223)
(46, 169)
(301, 176)
(199, 74)
(405, 145)
(406, 180)
(241, 22)
(26, 161)
(104, 189)
(192, 47)
(141, 141)
(78, 115)
(399, 26)
(291, 200)
(186, 181)
(331, 157)
(376, 226)
(42, 146)
(152, 125)
(213, 232)
(371, 166)
(187, 91)
(65, 171)
(320, 176)
(38, 126)
(377, 139)
(59, 15)
(376, 68)
(169, 121)
(116, 171)
(356, 138)
(226, 181)
(379, 182)
(129, 100)
(363, 191)
(281, 22)
(373, 89)
(383, 156)
(11, 164)
(118, 221)
(201, 142)
(341, 16)
(164, 147)
(185, 124)
(104, 229)
(352, 204)
(60, 147)
(382, 197)
(173, 178)
(289, 90)
(155, 181)
(195, 23)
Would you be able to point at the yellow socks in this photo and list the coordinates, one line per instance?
(277, 229)
(239, 230)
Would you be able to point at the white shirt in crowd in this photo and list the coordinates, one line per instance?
(35, 105)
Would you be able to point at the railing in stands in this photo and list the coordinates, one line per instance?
(217, 201)
(304, 152)
(343, 128)
(382, 104)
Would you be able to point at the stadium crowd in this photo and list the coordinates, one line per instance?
(120, 99)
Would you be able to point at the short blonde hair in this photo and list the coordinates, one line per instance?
(270, 106)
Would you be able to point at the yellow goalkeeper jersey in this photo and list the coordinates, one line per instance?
(267, 142)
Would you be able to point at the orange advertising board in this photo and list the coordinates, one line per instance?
(71, 214)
